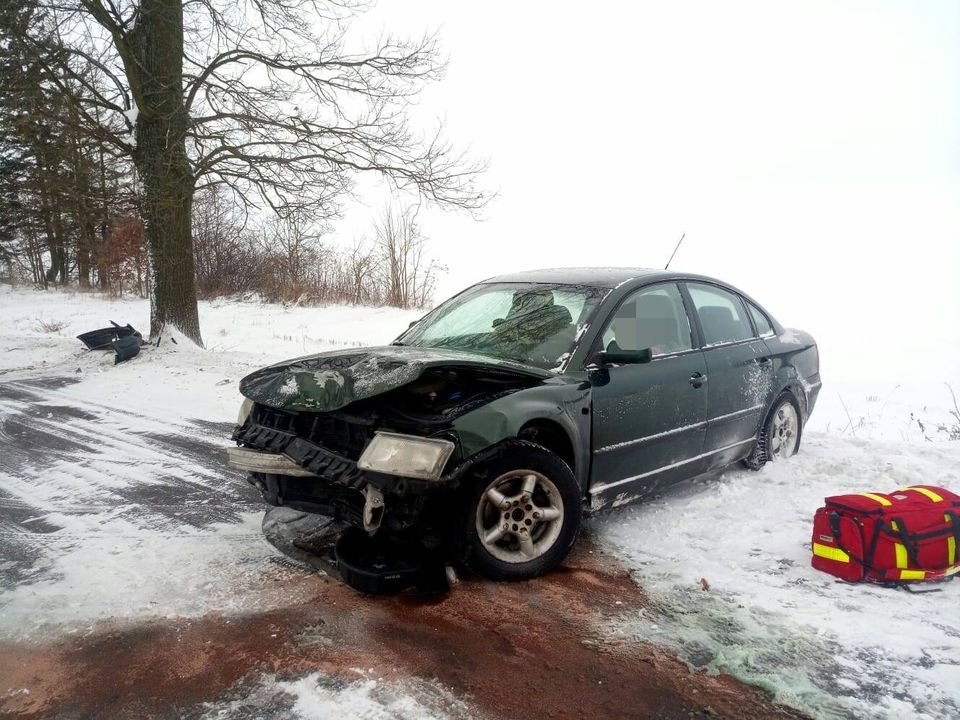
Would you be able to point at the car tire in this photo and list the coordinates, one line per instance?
(780, 436)
(520, 513)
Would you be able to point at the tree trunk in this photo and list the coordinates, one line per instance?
(51, 223)
(164, 169)
(84, 217)
(104, 210)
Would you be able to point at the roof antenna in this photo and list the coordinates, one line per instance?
(675, 251)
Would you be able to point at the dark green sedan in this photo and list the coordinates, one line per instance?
(490, 427)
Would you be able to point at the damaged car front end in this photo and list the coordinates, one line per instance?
(381, 439)
(366, 438)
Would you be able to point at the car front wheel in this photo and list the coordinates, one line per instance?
(521, 513)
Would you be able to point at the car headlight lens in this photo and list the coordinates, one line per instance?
(406, 455)
(246, 407)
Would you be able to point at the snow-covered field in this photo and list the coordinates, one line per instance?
(105, 514)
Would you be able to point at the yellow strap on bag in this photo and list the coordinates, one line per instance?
(900, 549)
(951, 542)
(878, 498)
(913, 575)
(830, 553)
(923, 491)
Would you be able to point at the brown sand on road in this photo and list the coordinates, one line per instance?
(510, 650)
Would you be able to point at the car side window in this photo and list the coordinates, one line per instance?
(759, 319)
(721, 313)
(652, 318)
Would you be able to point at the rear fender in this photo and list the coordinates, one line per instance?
(796, 365)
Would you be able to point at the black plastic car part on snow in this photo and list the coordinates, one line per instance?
(374, 566)
(101, 339)
(122, 339)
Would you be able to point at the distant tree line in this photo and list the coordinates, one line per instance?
(176, 149)
(285, 260)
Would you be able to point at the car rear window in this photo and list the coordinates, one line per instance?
(722, 316)
(759, 319)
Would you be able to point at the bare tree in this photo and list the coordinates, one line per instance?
(223, 255)
(122, 259)
(61, 183)
(409, 277)
(265, 97)
(362, 265)
(295, 243)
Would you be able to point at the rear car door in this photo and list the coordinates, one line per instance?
(739, 370)
(649, 420)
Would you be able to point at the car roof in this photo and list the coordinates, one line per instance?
(607, 277)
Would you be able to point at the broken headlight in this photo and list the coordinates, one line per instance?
(406, 456)
(246, 407)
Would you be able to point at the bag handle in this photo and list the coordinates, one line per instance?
(834, 519)
(955, 524)
(903, 535)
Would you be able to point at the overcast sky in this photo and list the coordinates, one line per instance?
(810, 151)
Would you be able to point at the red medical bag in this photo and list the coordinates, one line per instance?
(908, 535)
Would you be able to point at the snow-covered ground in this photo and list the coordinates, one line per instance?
(831, 648)
(319, 697)
(107, 471)
(105, 513)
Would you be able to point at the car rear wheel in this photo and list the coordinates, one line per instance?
(780, 437)
(521, 513)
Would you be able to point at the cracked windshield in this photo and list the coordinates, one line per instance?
(535, 324)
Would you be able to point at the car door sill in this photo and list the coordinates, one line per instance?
(606, 486)
(667, 433)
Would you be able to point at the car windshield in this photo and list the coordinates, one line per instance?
(532, 323)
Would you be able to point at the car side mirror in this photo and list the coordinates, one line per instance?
(412, 323)
(624, 357)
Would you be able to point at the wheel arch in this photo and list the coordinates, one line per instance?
(758, 455)
(552, 436)
(797, 392)
(794, 391)
(559, 412)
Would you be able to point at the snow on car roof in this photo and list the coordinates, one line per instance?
(597, 276)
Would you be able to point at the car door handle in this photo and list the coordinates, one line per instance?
(698, 379)
(763, 361)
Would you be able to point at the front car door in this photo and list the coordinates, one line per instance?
(739, 370)
(649, 420)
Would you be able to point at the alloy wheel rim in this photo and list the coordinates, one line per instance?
(784, 432)
(519, 516)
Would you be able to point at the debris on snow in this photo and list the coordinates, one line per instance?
(102, 338)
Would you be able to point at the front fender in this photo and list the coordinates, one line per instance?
(567, 404)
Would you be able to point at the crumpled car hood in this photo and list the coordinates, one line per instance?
(331, 380)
